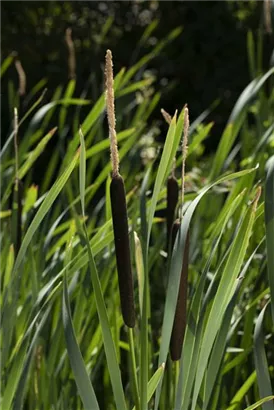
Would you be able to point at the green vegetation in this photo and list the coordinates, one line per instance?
(63, 339)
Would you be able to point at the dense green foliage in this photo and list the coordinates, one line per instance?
(64, 344)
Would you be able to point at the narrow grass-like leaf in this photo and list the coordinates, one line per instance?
(248, 94)
(134, 368)
(259, 403)
(251, 54)
(21, 363)
(7, 63)
(143, 209)
(82, 171)
(144, 317)
(176, 142)
(77, 263)
(30, 198)
(140, 270)
(41, 213)
(41, 113)
(235, 121)
(153, 382)
(8, 267)
(148, 31)
(67, 95)
(269, 133)
(261, 366)
(19, 398)
(82, 379)
(146, 230)
(113, 366)
(269, 226)
(135, 86)
(221, 340)
(199, 137)
(33, 155)
(14, 376)
(162, 169)
(5, 214)
(239, 396)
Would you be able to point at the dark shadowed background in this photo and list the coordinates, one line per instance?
(206, 62)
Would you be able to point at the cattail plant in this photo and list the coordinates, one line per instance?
(71, 54)
(119, 208)
(21, 76)
(179, 324)
(16, 196)
(267, 16)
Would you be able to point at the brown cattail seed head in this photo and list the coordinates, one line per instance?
(122, 248)
(172, 200)
(179, 324)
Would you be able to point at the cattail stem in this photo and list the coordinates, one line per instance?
(119, 209)
(17, 194)
(16, 221)
(134, 369)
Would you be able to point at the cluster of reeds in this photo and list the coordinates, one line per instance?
(121, 229)
(216, 318)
